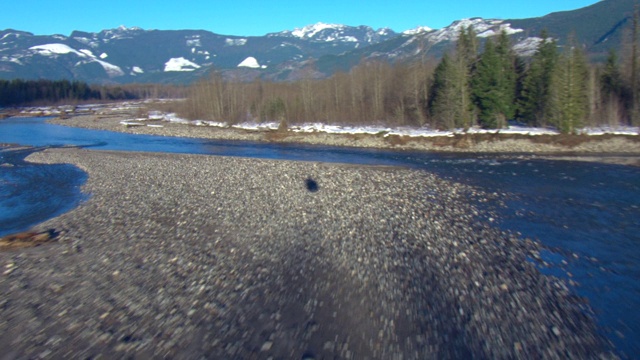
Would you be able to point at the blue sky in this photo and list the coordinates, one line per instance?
(246, 18)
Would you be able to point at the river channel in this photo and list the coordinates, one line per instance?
(586, 214)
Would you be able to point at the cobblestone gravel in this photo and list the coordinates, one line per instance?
(191, 256)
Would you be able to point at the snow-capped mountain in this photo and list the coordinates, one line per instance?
(482, 27)
(124, 54)
(133, 54)
(336, 32)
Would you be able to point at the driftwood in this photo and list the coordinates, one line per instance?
(27, 239)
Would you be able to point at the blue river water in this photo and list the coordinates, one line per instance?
(586, 214)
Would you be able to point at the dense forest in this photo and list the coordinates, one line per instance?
(474, 84)
(48, 92)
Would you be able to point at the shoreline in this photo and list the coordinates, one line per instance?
(627, 145)
(188, 255)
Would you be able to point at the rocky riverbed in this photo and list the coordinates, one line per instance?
(187, 256)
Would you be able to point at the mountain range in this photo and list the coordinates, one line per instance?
(126, 55)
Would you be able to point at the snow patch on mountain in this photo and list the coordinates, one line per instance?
(10, 59)
(323, 32)
(55, 49)
(482, 27)
(385, 31)
(87, 52)
(235, 42)
(194, 42)
(252, 63)
(503, 27)
(137, 70)
(527, 47)
(122, 32)
(180, 64)
(417, 30)
(88, 56)
(310, 31)
(112, 70)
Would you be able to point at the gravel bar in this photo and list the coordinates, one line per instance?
(469, 144)
(192, 256)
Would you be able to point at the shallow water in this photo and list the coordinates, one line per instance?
(31, 193)
(587, 214)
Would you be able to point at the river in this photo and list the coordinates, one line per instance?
(586, 214)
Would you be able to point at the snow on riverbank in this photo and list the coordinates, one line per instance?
(422, 132)
(401, 131)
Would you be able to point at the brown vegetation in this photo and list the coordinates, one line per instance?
(372, 93)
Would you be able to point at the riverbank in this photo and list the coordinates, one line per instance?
(477, 142)
(193, 256)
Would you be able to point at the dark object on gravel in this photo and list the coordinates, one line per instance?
(311, 184)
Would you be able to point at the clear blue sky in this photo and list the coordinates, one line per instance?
(246, 18)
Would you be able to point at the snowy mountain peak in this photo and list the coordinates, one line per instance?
(417, 30)
(323, 32)
(385, 31)
(482, 27)
(124, 28)
(310, 31)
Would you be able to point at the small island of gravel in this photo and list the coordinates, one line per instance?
(187, 256)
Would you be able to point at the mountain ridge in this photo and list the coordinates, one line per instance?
(132, 54)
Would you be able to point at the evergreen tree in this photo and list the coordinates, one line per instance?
(610, 78)
(534, 99)
(451, 105)
(444, 110)
(494, 82)
(615, 96)
(568, 100)
(467, 47)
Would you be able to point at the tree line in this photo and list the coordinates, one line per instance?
(473, 85)
(46, 92)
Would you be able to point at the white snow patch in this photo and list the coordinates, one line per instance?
(417, 30)
(112, 70)
(250, 62)
(388, 131)
(235, 42)
(104, 56)
(55, 49)
(384, 31)
(180, 64)
(257, 126)
(503, 27)
(528, 46)
(131, 123)
(11, 59)
(614, 130)
(87, 52)
(61, 49)
(311, 30)
(194, 42)
(482, 27)
(137, 70)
